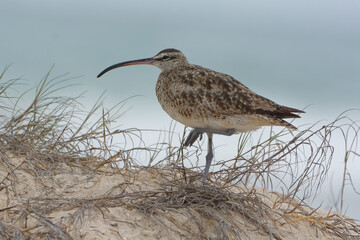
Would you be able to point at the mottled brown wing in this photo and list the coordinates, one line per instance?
(220, 94)
(209, 91)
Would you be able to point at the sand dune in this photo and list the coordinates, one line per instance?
(75, 200)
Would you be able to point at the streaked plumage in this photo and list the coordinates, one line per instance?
(207, 100)
(202, 98)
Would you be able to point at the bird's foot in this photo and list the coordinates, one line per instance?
(227, 132)
(197, 132)
(193, 136)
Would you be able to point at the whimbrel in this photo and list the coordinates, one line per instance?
(208, 101)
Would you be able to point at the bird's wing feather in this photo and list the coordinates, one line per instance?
(217, 93)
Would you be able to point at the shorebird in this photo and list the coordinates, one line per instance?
(208, 101)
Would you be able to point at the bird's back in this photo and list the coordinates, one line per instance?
(202, 98)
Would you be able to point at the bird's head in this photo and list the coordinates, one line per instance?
(165, 60)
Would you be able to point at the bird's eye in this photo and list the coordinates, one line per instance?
(165, 57)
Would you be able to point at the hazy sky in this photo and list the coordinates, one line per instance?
(297, 53)
(294, 52)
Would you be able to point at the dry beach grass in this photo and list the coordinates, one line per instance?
(69, 174)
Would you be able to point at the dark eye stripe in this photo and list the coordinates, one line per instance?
(165, 57)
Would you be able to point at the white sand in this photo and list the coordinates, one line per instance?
(124, 222)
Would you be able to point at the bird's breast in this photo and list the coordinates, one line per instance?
(173, 99)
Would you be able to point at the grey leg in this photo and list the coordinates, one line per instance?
(209, 157)
(197, 132)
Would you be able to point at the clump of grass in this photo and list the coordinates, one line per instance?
(52, 125)
(55, 131)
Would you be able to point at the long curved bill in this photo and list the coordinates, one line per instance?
(147, 61)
